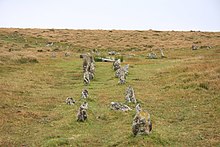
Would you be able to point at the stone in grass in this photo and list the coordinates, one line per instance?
(122, 77)
(152, 56)
(116, 64)
(119, 106)
(82, 112)
(85, 93)
(70, 101)
(129, 95)
(86, 78)
(141, 122)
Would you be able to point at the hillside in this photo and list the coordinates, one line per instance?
(181, 92)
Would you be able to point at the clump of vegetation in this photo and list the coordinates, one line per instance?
(98, 58)
(27, 45)
(119, 57)
(56, 142)
(204, 86)
(28, 59)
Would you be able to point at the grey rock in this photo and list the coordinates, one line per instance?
(70, 101)
(129, 95)
(116, 64)
(152, 56)
(82, 112)
(119, 106)
(85, 93)
(141, 122)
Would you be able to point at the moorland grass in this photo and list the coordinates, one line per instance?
(180, 92)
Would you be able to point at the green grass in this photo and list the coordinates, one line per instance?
(181, 93)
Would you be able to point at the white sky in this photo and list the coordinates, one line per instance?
(203, 15)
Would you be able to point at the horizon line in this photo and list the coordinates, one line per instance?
(107, 29)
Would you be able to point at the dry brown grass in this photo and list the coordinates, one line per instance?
(120, 40)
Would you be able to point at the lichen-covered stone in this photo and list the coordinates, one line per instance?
(141, 122)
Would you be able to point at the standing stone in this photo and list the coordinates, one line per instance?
(162, 54)
(85, 93)
(129, 95)
(116, 64)
(122, 77)
(194, 47)
(82, 112)
(86, 78)
(141, 122)
(126, 67)
(152, 56)
(70, 101)
(88, 68)
(117, 73)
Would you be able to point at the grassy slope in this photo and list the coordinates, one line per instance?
(181, 92)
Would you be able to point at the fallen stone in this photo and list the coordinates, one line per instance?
(120, 106)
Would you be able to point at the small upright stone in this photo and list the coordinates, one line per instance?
(194, 47)
(152, 55)
(70, 101)
(82, 112)
(126, 67)
(85, 93)
(86, 78)
(122, 77)
(162, 54)
(116, 64)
